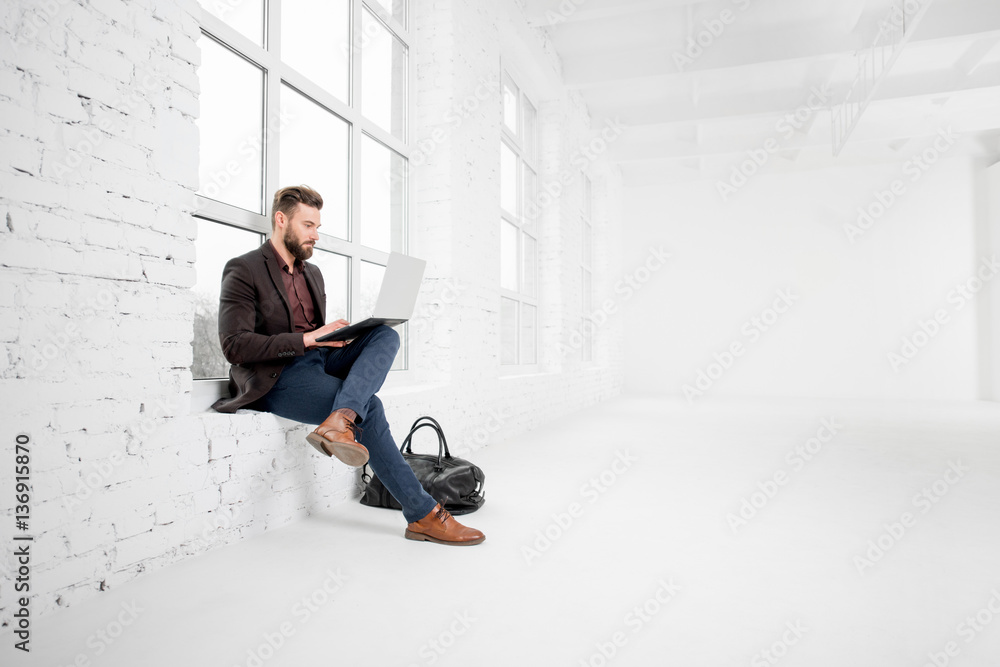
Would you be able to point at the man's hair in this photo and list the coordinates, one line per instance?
(287, 199)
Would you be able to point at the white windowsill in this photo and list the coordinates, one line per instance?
(524, 373)
(206, 392)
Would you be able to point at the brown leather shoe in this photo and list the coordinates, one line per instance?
(335, 437)
(440, 526)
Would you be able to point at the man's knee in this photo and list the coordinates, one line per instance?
(374, 413)
(389, 335)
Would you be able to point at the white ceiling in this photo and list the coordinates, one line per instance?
(699, 119)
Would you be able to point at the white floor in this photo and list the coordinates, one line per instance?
(649, 571)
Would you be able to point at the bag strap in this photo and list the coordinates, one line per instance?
(430, 422)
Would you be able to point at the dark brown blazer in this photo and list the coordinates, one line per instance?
(255, 323)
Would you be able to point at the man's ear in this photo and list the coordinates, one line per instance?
(279, 219)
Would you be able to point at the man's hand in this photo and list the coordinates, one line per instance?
(309, 337)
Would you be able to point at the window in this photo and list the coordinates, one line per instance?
(302, 91)
(215, 245)
(518, 234)
(586, 273)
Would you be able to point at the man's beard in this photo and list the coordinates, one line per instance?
(300, 251)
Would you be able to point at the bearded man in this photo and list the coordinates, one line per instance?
(272, 310)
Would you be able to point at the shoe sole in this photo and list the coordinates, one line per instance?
(410, 535)
(352, 455)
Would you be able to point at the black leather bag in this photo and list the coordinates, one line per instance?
(455, 483)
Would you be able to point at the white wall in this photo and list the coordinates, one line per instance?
(989, 303)
(855, 296)
(97, 261)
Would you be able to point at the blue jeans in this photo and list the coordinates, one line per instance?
(328, 378)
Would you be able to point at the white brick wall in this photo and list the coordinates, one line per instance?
(98, 104)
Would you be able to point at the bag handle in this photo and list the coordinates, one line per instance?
(407, 448)
(430, 420)
(433, 423)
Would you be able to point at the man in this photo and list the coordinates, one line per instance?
(271, 311)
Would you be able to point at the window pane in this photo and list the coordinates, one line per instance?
(371, 281)
(587, 307)
(315, 40)
(510, 105)
(383, 76)
(383, 196)
(314, 151)
(395, 8)
(508, 179)
(530, 198)
(528, 314)
(508, 331)
(586, 255)
(230, 167)
(529, 138)
(399, 363)
(587, 327)
(216, 245)
(337, 278)
(246, 16)
(528, 252)
(508, 256)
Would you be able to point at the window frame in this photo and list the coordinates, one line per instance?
(278, 73)
(587, 326)
(526, 151)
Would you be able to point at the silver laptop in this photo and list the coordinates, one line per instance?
(396, 298)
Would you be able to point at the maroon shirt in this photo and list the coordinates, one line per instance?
(299, 297)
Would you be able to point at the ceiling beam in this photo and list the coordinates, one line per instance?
(976, 54)
(678, 110)
(655, 66)
(548, 13)
(976, 118)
